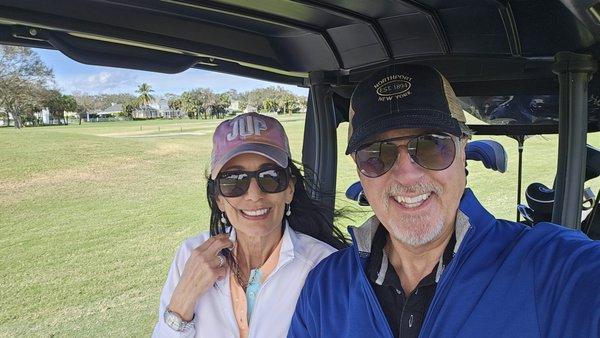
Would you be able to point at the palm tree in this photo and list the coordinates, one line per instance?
(145, 97)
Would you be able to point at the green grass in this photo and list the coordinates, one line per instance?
(91, 216)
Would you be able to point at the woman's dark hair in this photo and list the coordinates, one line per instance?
(308, 216)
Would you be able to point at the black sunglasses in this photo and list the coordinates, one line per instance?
(235, 183)
(430, 151)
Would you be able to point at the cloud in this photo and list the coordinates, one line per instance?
(105, 81)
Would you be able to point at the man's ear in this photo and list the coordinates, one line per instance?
(463, 149)
(463, 154)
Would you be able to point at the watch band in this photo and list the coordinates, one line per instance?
(175, 322)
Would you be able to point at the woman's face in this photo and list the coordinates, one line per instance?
(255, 213)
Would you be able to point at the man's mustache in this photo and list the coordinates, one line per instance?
(417, 188)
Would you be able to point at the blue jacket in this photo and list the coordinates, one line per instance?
(506, 280)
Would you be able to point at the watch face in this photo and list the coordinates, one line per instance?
(173, 320)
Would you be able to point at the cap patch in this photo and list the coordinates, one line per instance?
(393, 87)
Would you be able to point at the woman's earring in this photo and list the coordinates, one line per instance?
(288, 212)
(223, 219)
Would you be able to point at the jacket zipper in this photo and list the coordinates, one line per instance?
(448, 271)
(402, 317)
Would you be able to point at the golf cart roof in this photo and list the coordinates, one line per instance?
(483, 47)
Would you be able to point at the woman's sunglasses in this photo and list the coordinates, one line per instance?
(430, 151)
(236, 183)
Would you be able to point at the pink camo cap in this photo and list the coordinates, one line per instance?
(249, 133)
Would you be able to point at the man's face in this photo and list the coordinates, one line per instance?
(416, 205)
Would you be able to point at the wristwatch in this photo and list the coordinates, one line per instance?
(174, 321)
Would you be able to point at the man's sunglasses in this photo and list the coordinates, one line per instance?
(430, 151)
(235, 183)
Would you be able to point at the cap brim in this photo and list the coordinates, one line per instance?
(279, 156)
(432, 120)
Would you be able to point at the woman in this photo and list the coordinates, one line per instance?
(243, 278)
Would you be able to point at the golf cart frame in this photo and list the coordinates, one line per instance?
(484, 48)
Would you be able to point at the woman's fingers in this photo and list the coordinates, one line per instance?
(218, 243)
(208, 255)
(203, 268)
(204, 246)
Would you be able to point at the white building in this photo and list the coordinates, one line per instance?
(113, 110)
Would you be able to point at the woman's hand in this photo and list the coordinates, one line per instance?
(201, 271)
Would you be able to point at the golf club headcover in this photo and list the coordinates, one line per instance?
(489, 152)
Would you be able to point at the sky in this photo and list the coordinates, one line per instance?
(72, 76)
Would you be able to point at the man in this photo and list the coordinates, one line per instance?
(432, 262)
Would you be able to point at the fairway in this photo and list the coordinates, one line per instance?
(91, 216)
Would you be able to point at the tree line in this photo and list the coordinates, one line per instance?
(27, 86)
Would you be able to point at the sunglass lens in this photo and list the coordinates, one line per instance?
(435, 152)
(233, 184)
(376, 159)
(273, 180)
